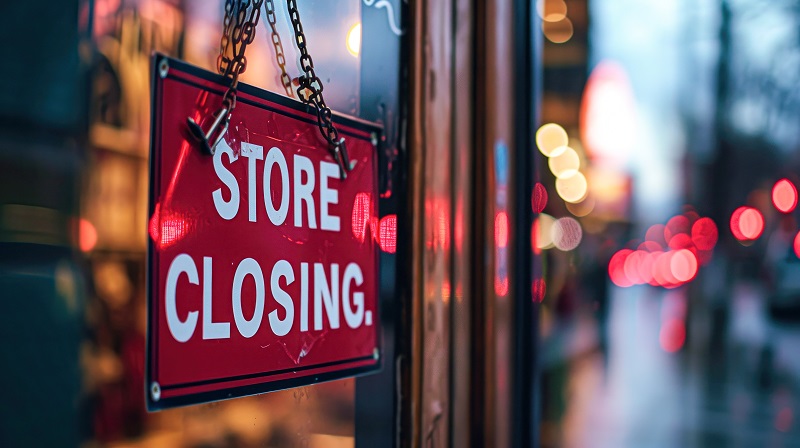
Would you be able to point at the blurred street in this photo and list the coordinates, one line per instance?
(738, 388)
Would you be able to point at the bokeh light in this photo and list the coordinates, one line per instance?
(797, 244)
(672, 335)
(558, 32)
(551, 137)
(582, 208)
(572, 189)
(683, 265)
(539, 199)
(565, 164)
(551, 10)
(544, 227)
(354, 40)
(501, 229)
(704, 234)
(567, 234)
(747, 223)
(784, 196)
(87, 235)
(616, 268)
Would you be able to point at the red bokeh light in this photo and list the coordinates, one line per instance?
(360, 216)
(797, 244)
(650, 246)
(672, 335)
(705, 234)
(683, 265)
(675, 226)
(501, 229)
(539, 289)
(616, 268)
(387, 234)
(656, 234)
(631, 267)
(501, 285)
(784, 196)
(681, 241)
(646, 262)
(539, 199)
(747, 223)
(535, 237)
(87, 235)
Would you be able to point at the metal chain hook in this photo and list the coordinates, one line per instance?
(236, 36)
(310, 92)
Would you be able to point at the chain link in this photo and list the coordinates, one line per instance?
(310, 92)
(280, 57)
(239, 31)
(237, 34)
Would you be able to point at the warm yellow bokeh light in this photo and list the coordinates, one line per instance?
(544, 237)
(572, 189)
(553, 10)
(551, 137)
(566, 163)
(354, 40)
(582, 208)
(558, 32)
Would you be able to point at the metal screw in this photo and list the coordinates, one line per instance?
(155, 391)
(374, 139)
(376, 353)
(163, 68)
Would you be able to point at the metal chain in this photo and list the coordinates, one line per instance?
(236, 36)
(286, 80)
(239, 31)
(310, 92)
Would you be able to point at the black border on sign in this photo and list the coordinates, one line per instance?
(306, 115)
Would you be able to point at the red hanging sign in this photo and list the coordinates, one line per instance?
(262, 270)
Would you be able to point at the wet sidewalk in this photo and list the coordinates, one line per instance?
(731, 383)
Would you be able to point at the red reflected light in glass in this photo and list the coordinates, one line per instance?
(535, 237)
(387, 234)
(683, 265)
(784, 196)
(167, 228)
(360, 216)
(797, 244)
(539, 289)
(501, 285)
(705, 234)
(87, 235)
(616, 268)
(501, 229)
(539, 199)
(672, 335)
(675, 226)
